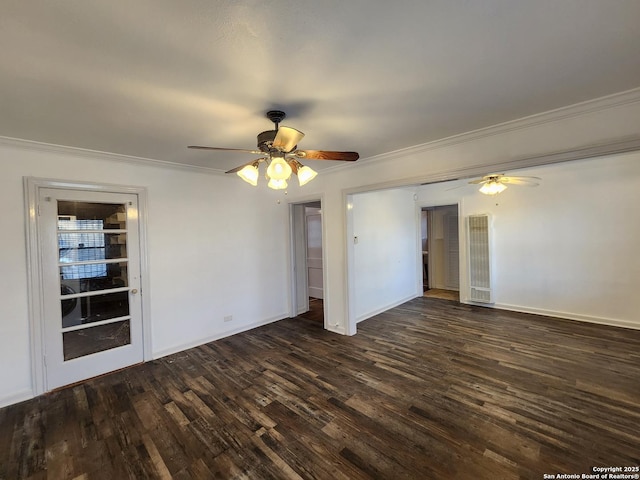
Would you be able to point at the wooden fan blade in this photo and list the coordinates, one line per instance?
(237, 169)
(224, 149)
(478, 181)
(287, 138)
(327, 155)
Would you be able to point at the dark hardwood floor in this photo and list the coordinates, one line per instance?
(316, 310)
(430, 389)
(443, 294)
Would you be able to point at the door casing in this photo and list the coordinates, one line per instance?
(299, 291)
(32, 187)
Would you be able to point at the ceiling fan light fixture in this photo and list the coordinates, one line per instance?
(279, 169)
(250, 174)
(305, 175)
(279, 150)
(493, 188)
(277, 184)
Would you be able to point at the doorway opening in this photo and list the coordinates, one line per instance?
(440, 252)
(307, 261)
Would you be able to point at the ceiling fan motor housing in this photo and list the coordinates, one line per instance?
(265, 140)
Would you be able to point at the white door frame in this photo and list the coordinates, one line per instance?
(32, 186)
(299, 285)
(298, 258)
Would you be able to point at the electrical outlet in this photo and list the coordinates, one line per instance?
(228, 318)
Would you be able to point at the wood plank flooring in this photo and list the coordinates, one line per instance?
(442, 294)
(429, 390)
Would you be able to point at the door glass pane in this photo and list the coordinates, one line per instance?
(78, 311)
(85, 247)
(92, 277)
(91, 216)
(95, 339)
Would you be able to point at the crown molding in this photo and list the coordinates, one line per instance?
(614, 147)
(579, 109)
(99, 155)
(615, 100)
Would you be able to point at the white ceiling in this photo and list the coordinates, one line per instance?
(146, 78)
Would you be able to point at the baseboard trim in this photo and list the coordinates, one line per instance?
(218, 336)
(612, 322)
(16, 397)
(377, 311)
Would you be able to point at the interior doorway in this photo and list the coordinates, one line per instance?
(307, 260)
(440, 252)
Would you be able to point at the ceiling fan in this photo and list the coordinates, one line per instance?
(278, 150)
(495, 183)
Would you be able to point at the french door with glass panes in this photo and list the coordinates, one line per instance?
(90, 255)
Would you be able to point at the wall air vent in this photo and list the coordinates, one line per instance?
(478, 235)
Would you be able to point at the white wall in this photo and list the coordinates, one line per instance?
(216, 246)
(599, 122)
(568, 247)
(385, 257)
